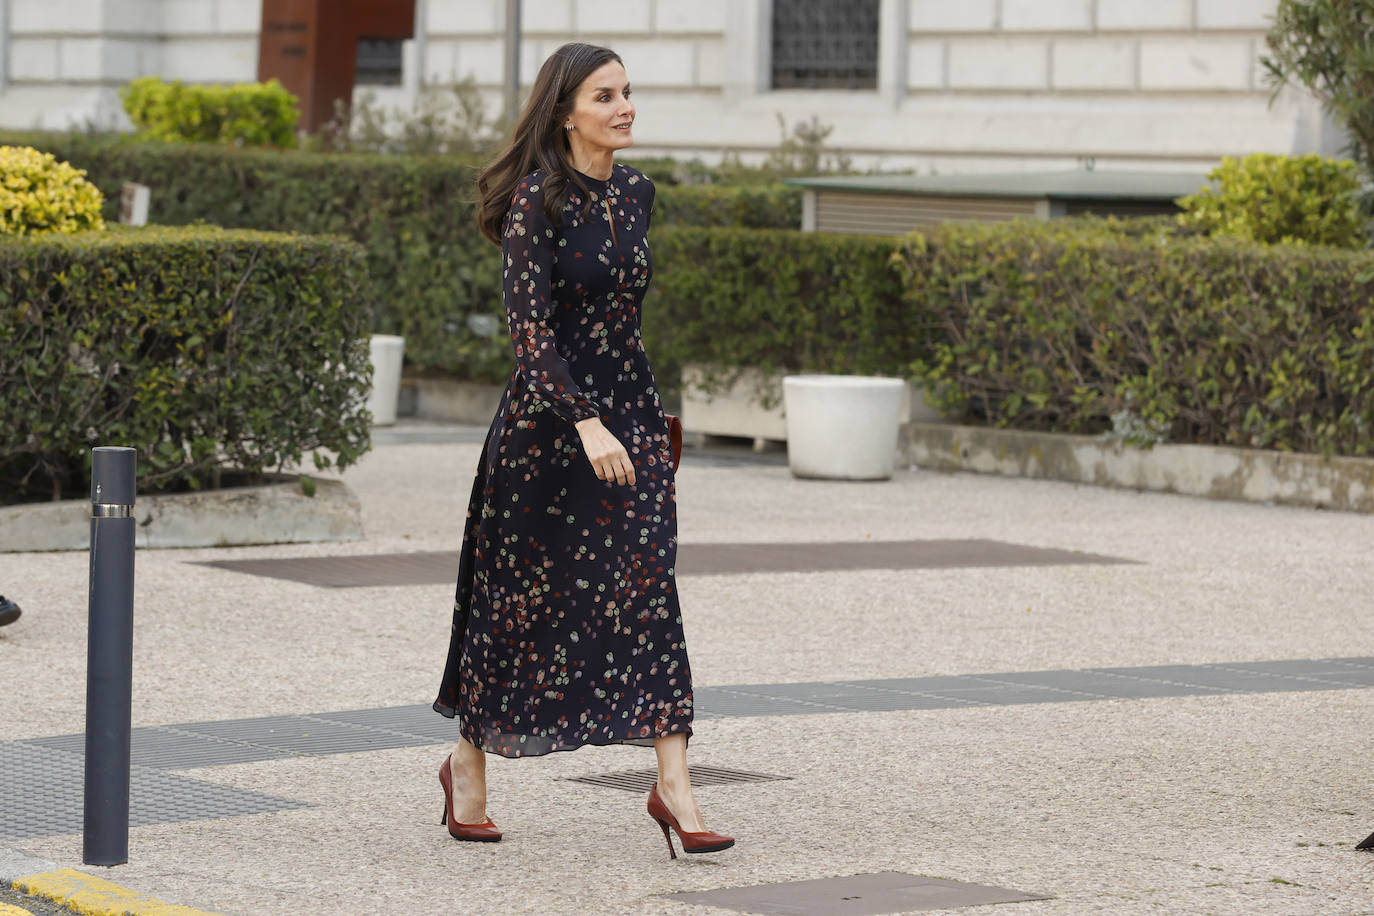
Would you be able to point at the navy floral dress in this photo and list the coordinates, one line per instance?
(566, 627)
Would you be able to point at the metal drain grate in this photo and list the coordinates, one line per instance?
(643, 780)
(856, 895)
(41, 795)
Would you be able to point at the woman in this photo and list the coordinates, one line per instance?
(566, 628)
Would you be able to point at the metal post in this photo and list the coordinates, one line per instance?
(512, 98)
(109, 657)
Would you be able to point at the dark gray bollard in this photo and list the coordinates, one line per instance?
(109, 657)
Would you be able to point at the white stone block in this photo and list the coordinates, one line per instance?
(1195, 63)
(1143, 15)
(532, 54)
(484, 59)
(710, 63)
(1236, 14)
(925, 64)
(148, 59)
(69, 17)
(466, 17)
(690, 16)
(80, 58)
(213, 60)
(33, 58)
(546, 16)
(181, 17)
(123, 60)
(612, 16)
(1047, 15)
(657, 63)
(1008, 63)
(238, 17)
(1093, 63)
(441, 62)
(952, 15)
(141, 17)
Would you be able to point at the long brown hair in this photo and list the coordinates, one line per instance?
(539, 141)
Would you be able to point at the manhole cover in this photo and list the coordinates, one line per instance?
(643, 780)
(856, 895)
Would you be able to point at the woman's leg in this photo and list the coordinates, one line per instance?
(469, 768)
(674, 784)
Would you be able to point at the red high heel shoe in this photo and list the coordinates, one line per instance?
(485, 832)
(704, 841)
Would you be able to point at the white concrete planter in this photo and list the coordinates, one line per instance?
(278, 512)
(733, 412)
(387, 353)
(455, 401)
(842, 426)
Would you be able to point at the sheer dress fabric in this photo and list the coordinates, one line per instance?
(566, 625)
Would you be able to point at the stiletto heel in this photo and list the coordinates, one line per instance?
(700, 841)
(672, 853)
(484, 832)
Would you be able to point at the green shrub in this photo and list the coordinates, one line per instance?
(1270, 199)
(39, 195)
(431, 271)
(782, 301)
(764, 206)
(1079, 326)
(247, 114)
(203, 349)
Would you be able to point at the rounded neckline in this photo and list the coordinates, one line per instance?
(595, 180)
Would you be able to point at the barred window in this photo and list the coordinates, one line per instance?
(379, 62)
(825, 44)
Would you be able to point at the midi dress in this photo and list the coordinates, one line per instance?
(566, 624)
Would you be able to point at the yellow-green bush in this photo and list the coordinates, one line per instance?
(39, 194)
(246, 114)
(1269, 199)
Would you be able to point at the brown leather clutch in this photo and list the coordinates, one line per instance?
(675, 438)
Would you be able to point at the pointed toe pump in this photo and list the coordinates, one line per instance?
(704, 841)
(484, 832)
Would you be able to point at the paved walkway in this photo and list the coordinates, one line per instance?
(1209, 752)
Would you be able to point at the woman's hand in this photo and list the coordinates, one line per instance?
(609, 459)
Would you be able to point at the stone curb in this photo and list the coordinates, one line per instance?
(80, 892)
(1252, 475)
(275, 513)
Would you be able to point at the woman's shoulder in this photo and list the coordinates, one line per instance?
(533, 183)
(633, 176)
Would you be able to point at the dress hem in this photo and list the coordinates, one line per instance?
(684, 728)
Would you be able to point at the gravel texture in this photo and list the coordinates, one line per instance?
(1188, 805)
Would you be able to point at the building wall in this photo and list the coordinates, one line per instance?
(964, 85)
(63, 61)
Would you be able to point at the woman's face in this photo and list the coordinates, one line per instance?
(602, 112)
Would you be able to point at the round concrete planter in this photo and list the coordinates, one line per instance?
(842, 426)
(387, 353)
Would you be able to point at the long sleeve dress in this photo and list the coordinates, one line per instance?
(566, 626)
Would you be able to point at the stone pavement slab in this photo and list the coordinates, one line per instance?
(1192, 803)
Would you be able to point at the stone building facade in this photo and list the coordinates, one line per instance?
(955, 85)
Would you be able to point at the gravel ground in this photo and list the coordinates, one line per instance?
(1221, 804)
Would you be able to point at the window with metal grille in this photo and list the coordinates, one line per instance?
(379, 62)
(825, 44)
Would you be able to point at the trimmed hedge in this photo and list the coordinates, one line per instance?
(1088, 326)
(431, 270)
(202, 348)
(782, 301)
